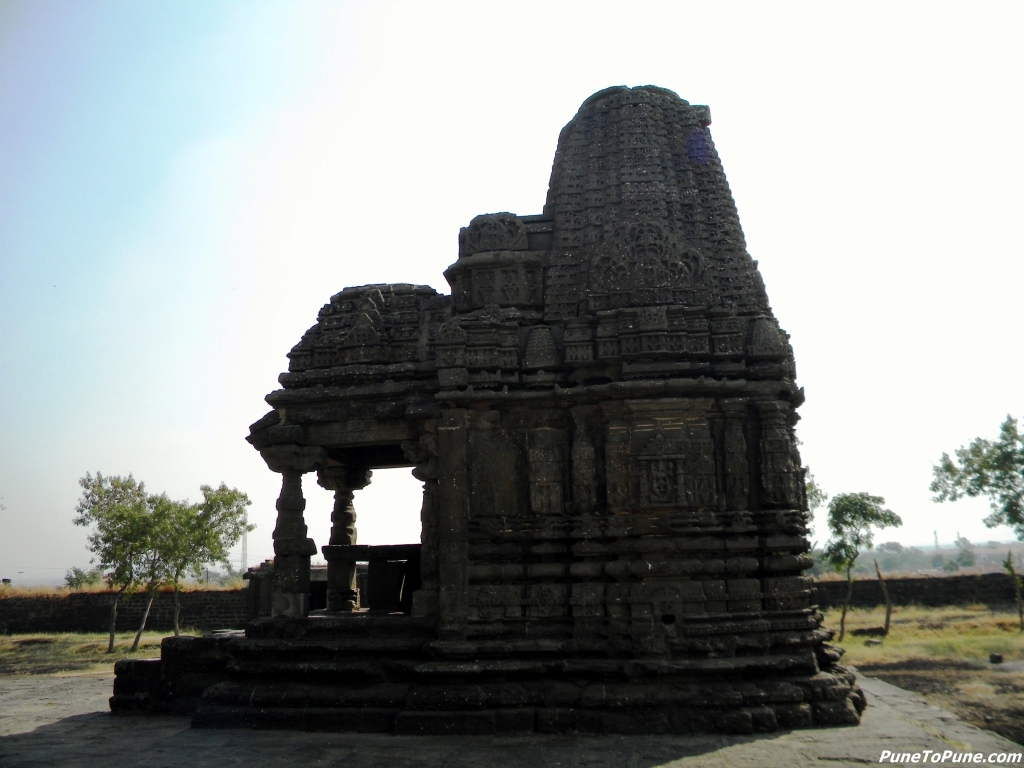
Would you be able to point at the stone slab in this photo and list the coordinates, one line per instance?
(64, 721)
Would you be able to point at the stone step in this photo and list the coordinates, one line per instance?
(352, 625)
(637, 720)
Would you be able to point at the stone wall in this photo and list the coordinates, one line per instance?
(988, 588)
(90, 612)
(230, 609)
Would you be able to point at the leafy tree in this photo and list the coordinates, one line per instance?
(153, 566)
(893, 554)
(149, 540)
(992, 468)
(851, 520)
(76, 578)
(965, 557)
(117, 509)
(203, 533)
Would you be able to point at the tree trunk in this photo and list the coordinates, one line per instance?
(1015, 577)
(151, 594)
(888, 602)
(113, 619)
(177, 607)
(846, 603)
(1020, 600)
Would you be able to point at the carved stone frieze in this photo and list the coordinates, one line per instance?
(494, 232)
(779, 474)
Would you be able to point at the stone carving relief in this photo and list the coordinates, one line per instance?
(495, 232)
(778, 472)
(541, 350)
(584, 470)
(646, 265)
(677, 471)
(546, 471)
(766, 340)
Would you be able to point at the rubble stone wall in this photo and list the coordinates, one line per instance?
(987, 588)
(90, 612)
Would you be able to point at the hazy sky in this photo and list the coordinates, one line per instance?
(184, 184)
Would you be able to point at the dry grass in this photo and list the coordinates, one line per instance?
(943, 654)
(955, 633)
(42, 654)
(16, 591)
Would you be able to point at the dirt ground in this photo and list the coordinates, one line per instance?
(987, 696)
(944, 654)
(63, 721)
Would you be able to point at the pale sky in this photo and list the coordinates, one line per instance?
(184, 184)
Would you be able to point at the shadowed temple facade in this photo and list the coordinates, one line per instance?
(614, 522)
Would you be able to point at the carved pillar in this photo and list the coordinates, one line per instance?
(736, 462)
(453, 495)
(778, 475)
(292, 548)
(545, 470)
(423, 453)
(584, 461)
(341, 575)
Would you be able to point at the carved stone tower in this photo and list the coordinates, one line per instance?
(614, 525)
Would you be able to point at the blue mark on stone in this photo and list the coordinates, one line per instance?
(698, 148)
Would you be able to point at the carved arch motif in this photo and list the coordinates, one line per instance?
(647, 256)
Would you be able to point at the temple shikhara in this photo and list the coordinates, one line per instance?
(614, 522)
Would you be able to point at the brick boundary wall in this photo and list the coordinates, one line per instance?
(986, 588)
(90, 612)
(230, 609)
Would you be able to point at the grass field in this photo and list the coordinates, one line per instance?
(943, 654)
(42, 654)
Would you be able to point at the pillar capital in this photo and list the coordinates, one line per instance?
(338, 476)
(293, 458)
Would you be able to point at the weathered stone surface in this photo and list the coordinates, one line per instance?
(613, 519)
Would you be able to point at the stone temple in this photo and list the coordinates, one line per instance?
(614, 522)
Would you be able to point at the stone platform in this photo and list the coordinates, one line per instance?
(52, 720)
(389, 674)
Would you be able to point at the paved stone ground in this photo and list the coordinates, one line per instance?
(63, 721)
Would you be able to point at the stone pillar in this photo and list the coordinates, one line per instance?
(341, 575)
(423, 454)
(584, 460)
(736, 462)
(292, 548)
(453, 518)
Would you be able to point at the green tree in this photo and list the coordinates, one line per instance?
(203, 533)
(146, 540)
(76, 578)
(892, 554)
(153, 568)
(852, 518)
(965, 557)
(117, 510)
(991, 468)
